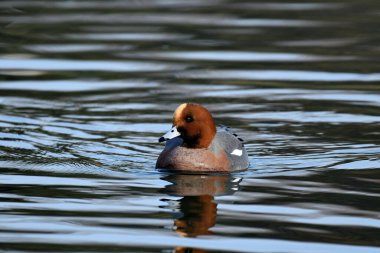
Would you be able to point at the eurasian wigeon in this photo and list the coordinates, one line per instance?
(194, 144)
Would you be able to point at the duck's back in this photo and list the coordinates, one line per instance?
(233, 147)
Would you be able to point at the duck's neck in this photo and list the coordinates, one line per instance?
(203, 139)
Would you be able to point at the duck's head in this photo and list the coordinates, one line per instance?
(194, 124)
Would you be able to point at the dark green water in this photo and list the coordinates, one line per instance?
(87, 87)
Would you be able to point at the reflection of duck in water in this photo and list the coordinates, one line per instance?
(198, 210)
(199, 214)
(194, 144)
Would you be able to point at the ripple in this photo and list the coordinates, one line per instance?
(363, 164)
(262, 93)
(349, 96)
(303, 116)
(84, 65)
(354, 97)
(283, 75)
(158, 18)
(57, 181)
(74, 48)
(30, 137)
(101, 126)
(274, 23)
(267, 209)
(83, 205)
(71, 132)
(338, 42)
(236, 56)
(109, 5)
(119, 107)
(16, 144)
(341, 221)
(287, 6)
(20, 120)
(152, 239)
(60, 166)
(128, 36)
(74, 85)
(21, 102)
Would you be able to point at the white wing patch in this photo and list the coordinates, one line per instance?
(237, 152)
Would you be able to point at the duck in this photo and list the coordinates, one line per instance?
(195, 144)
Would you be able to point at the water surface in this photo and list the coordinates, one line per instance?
(88, 87)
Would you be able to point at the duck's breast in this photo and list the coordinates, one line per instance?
(177, 158)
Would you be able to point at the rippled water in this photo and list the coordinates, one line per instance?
(87, 87)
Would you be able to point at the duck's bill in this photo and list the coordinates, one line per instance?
(170, 135)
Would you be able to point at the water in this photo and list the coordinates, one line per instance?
(87, 87)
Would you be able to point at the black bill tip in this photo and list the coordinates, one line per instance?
(162, 139)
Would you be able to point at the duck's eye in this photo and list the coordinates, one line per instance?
(189, 119)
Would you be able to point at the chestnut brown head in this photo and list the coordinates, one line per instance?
(194, 124)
